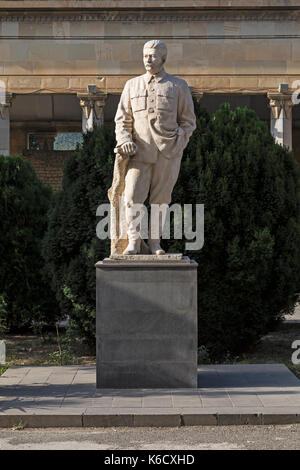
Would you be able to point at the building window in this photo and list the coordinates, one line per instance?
(53, 141)
(33, 142)
(67, 141)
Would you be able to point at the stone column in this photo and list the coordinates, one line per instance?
(92, 105)
(5, 124)
(281, 118)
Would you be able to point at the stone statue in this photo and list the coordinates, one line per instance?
(154, 121)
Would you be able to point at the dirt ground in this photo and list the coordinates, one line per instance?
(285, 437)
(29, 349)
(35, 350)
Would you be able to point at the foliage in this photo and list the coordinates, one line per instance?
(3, 368)
(71, 247)
(24, 202)
(249, 266)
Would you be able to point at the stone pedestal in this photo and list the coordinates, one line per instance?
(146, 322)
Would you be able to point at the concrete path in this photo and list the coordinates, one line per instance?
(295, 318)
(227, 394)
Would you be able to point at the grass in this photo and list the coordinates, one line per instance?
(33, 350)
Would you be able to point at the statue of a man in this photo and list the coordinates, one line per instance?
(154, 121)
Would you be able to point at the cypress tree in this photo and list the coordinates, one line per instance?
(71, 247)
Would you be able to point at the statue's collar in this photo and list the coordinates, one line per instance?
(158, 76)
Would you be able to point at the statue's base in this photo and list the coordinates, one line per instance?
(147, 322)
(142, 257)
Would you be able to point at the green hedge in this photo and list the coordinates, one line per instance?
(25, 295)
(71, 247)
(248, 268)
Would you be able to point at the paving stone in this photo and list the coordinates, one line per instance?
(244, 398)
(61, 379)
(158, 401)
(83, 391)
(127, 402)
(266, 402)
(187, 402)
(217, 398)
(9, 381)
(15, 371)
(105, 402)
(279, 397)
(76, 402)
(6, 404)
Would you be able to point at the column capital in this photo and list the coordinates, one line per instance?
(4, 107)
(196, 93)
(95, 100)
(280, 101)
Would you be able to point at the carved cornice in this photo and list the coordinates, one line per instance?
(196, 93)
(89, 101)
(159, 17)
(279, 101)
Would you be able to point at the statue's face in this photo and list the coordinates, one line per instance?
(153, 61)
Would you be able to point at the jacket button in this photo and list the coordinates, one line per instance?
(151, 110)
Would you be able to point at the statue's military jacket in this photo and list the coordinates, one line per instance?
(157, 113)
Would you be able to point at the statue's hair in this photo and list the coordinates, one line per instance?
(156, 44)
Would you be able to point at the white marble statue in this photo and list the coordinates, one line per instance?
(154, 121)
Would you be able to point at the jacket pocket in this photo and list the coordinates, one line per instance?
(165, 100)
(138, 99)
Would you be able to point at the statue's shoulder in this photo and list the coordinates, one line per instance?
(135, 81)
(180, 82)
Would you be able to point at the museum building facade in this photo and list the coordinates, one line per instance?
(64, 65)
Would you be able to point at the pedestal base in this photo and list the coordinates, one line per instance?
(146, 323)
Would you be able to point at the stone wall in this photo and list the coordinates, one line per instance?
(233, 46)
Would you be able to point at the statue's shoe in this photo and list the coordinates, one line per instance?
(133, 247)
(155, 248)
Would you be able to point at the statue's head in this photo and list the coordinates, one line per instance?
(154, 55)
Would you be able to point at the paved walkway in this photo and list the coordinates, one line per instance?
(295, 318)
(227, 394)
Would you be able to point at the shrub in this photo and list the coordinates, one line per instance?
(24, 201)
(71, 247)
(249, 266)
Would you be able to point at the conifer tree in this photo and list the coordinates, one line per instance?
(249, 266)
(25, 295)
(71, 247)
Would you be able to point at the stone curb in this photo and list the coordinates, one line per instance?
(131, 418)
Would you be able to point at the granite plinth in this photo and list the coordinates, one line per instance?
(146, 324)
